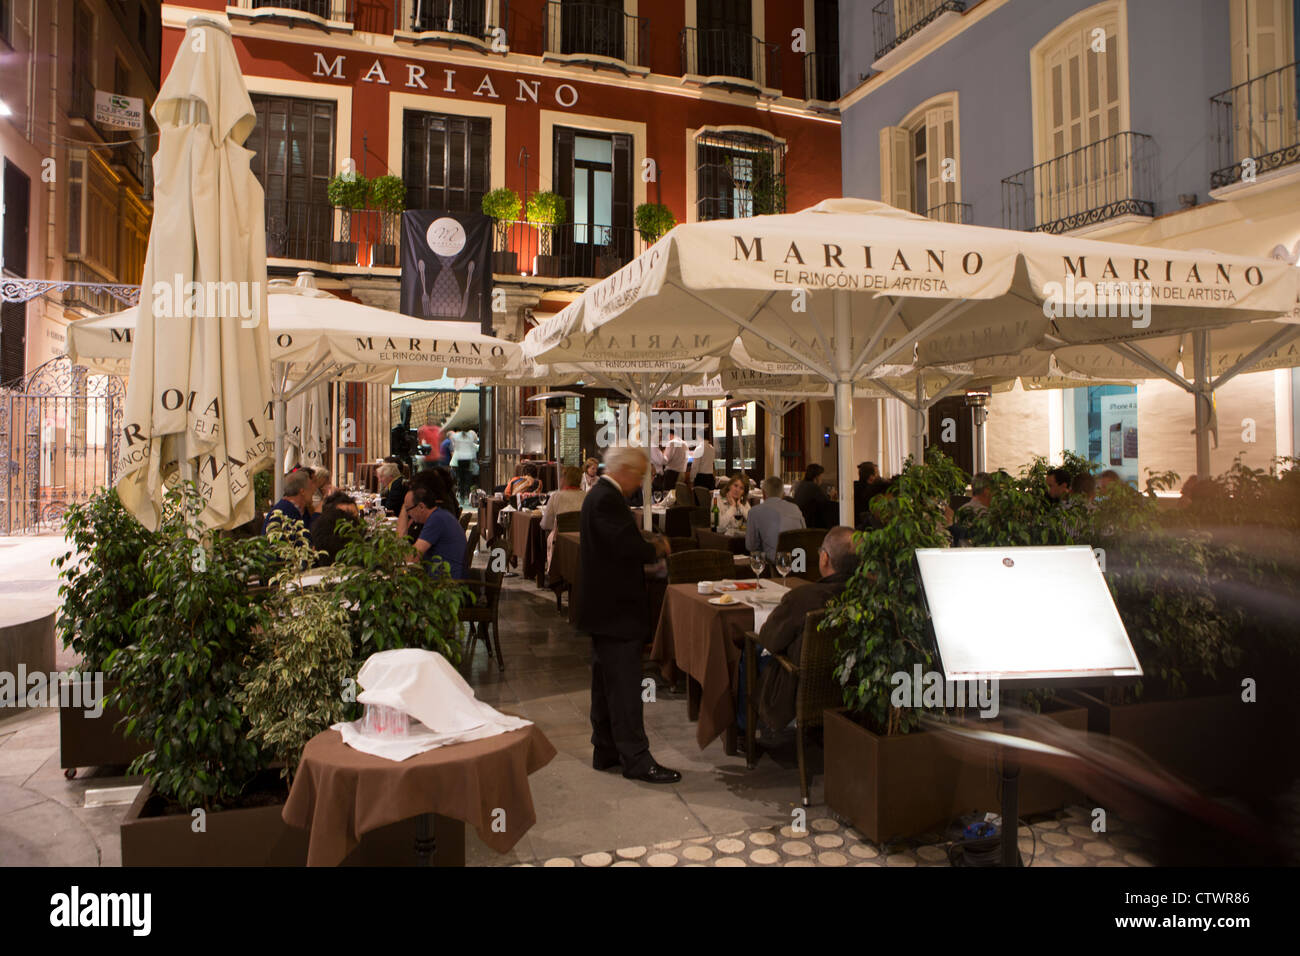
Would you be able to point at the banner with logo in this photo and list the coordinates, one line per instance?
(446, 266)
(119, 112)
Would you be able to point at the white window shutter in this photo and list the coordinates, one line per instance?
(896, 167)
(938, 147)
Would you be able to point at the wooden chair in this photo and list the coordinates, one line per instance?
(483, 616)
(471, 546)
(567, 521)
(677, 522)
(683, 494)
(465, 518)
(703, 498)
(700, 517)
(683, 544)
(817, 691)
(810, 539)
(700, 564)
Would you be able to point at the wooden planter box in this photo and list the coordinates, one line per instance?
(258, 836)
(1208, 741)
(900, 786)
(548, 266)
(383, 255)
(505, 263)
(94, 741)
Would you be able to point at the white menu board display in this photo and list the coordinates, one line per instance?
(1024, 614)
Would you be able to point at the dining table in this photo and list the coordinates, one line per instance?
(566, 569)
(526, 544)
(487, 518)
(705, 641)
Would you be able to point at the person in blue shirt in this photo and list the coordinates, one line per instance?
(441, 535)
(298, 491)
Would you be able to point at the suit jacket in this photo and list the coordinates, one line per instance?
(782, 633)
(613, 554)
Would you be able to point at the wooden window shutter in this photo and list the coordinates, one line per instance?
(622, 194)
(562, 171)
(938, 147)
(896, 167)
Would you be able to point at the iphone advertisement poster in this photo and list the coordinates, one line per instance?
(1119, 435)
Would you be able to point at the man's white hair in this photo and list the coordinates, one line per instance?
(626, 456)
(387, 470)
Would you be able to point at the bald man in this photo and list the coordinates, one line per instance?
(783, 631)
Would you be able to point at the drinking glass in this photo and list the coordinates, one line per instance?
(783, 562)
(757, 561)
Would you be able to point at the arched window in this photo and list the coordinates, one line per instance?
(919, 161)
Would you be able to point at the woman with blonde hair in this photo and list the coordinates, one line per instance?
(733, 506)
(590, 473)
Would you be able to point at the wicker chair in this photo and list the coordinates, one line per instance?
(677, 523)
(700, 565)
(703, 497)
(567, 521)
(817, 691)
(683, 544)
(683, 494)
(810, 539)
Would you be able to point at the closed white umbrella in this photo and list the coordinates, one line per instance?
(199, 394)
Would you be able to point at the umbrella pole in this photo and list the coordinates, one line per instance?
(775, 434)
(1203, 397)
(844, 424)
(277, 473)
(918, 436)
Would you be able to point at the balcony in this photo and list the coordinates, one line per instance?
(456, 23)
(326, 15)
(127, 156)
(81, 108)
(821, 77)
(1258, 127)
(89, 300)
(730, 60)
(1104, 180)
(958, 213)
(569, 250)
(894, 22)
(595, 35)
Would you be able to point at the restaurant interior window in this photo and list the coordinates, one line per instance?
(293, 143)
(445, 161)
(739, 175)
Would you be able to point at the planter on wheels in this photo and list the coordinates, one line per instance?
(86, 741)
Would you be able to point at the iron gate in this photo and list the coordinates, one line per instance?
(59, 430)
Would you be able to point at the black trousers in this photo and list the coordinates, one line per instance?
(617, 725)
(670, 480)
(704, 481)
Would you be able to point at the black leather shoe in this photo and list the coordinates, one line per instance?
(604, 763)
(656, 774)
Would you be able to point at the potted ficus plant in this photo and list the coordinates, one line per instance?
(346, 192)
(388, 196)
(208, 797)
(103, 585)
(653, 220)
(546, 210)
(503, 206)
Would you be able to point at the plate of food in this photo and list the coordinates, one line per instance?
(726, 600)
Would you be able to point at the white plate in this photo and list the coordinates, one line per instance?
(719, 603)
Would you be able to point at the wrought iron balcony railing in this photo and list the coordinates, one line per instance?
(86, 296)
(955, 212)
(596, 30)
(821, 77)
(896, 21)
(1103, 180)
(452, 21)
(1257, 125)
(82, 104)
(568, 250)
(731, 55)
(126, 154)
(336, 11)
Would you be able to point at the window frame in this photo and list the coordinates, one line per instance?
(698, 139)
(915, 121)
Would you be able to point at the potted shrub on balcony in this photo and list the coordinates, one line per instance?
(546, 210)
(503, 206)
(103, 585)
(653, 220)
(346, 192)
(388, 196)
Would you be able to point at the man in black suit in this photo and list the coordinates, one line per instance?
(615, 611)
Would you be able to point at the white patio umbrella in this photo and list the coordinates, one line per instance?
(315, 337)
(851, 287)
(199, 390)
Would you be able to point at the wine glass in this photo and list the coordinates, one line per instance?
(757, 561)
(783, 562)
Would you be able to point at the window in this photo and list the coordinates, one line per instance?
(466, 17)
(593, 26)
(294, 146)
(1263, 40)
(593, 172)
(739, 175)
(445, 161)
(6, 30)
(823, 77)
(918, 161)
(1082, 87)
(723, 38)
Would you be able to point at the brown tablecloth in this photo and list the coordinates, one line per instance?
(735, 543)
(524, 537)
(339, 793)
(566, 566)
(657, 519)
(487, 517)
(705, 641)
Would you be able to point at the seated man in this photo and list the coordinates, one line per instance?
(339, 509)
(298, 491)
(440, 533)
(818, 509)
(767, 520)
(782, 633)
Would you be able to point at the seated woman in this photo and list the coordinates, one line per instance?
(339, 509)
(525, 481)
(590, 474)
(392, 486)
(568, 498)
(733, 507)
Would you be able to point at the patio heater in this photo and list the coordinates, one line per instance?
(556, 402)
(978, 403)
(736, 441)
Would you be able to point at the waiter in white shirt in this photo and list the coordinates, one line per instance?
(702, 461)
(674, 460)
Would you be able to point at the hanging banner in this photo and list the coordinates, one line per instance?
(446, 266)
